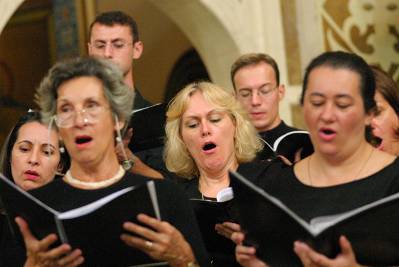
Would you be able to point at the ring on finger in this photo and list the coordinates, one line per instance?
(149, 244)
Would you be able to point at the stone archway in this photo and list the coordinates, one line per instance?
(7, 8)
(214, 43)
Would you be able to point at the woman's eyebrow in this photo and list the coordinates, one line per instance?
(24, 141)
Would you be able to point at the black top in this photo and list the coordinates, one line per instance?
(309, 202)
(152, 157)
(250, 170)
(296, 143)
(173, 205)
(12, 253)
(140, 101)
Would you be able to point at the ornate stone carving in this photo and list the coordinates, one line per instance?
(369, 28)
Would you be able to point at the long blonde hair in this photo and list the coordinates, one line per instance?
(176, 155)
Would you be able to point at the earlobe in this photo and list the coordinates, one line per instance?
(281, 91)
(137, 49)
(119, 124)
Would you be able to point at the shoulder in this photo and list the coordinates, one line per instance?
(140, 101)
(383, 164)
(263, 171)
(286, 128)
(52, 188)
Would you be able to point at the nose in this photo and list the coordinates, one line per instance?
(255, 99)
(205, 129)
(81, 118)
(374, 122)
(328, 113)
(33, 158)
(108, 52)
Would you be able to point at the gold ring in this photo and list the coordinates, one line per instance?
(149, 244)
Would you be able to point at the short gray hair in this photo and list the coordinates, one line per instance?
(118, 94)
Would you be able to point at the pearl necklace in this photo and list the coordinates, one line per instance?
(94, 185)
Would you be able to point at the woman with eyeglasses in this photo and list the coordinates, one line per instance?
(31, 158)
(90, 104)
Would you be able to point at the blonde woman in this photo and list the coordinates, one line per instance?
(208, 134)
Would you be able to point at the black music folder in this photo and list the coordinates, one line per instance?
(148, 127)
(285, 144)
(272, 227)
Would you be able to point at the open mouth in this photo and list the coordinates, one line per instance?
(327, 131)
(376, 142)
(208, 146)
(82, 140)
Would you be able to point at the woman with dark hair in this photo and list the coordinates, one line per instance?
(31, 158)
(385, 122)
(345, 171)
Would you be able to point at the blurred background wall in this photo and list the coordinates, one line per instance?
(196, 39)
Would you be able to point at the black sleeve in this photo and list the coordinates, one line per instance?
(12, 253)
(176, 209)
(153, 158)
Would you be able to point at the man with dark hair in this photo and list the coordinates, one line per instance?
(256, 81)
(114, 35)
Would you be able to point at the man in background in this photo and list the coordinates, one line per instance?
(256, 82)
(114, 35)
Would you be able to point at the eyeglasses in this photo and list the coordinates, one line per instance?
(90, 115)
(115, 45)
(264, 92)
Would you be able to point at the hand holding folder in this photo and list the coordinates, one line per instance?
(272, 228)
(94, 228)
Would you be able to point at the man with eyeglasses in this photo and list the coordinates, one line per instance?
(114, 35)
(256, 82)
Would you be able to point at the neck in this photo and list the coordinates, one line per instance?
(94, 172)
(128, 79)
(333, 170)
(393, 148)
(76, 182)
(211, 182)
(273, 125)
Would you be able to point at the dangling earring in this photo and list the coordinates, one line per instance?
(127, 163)
(62, 148)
